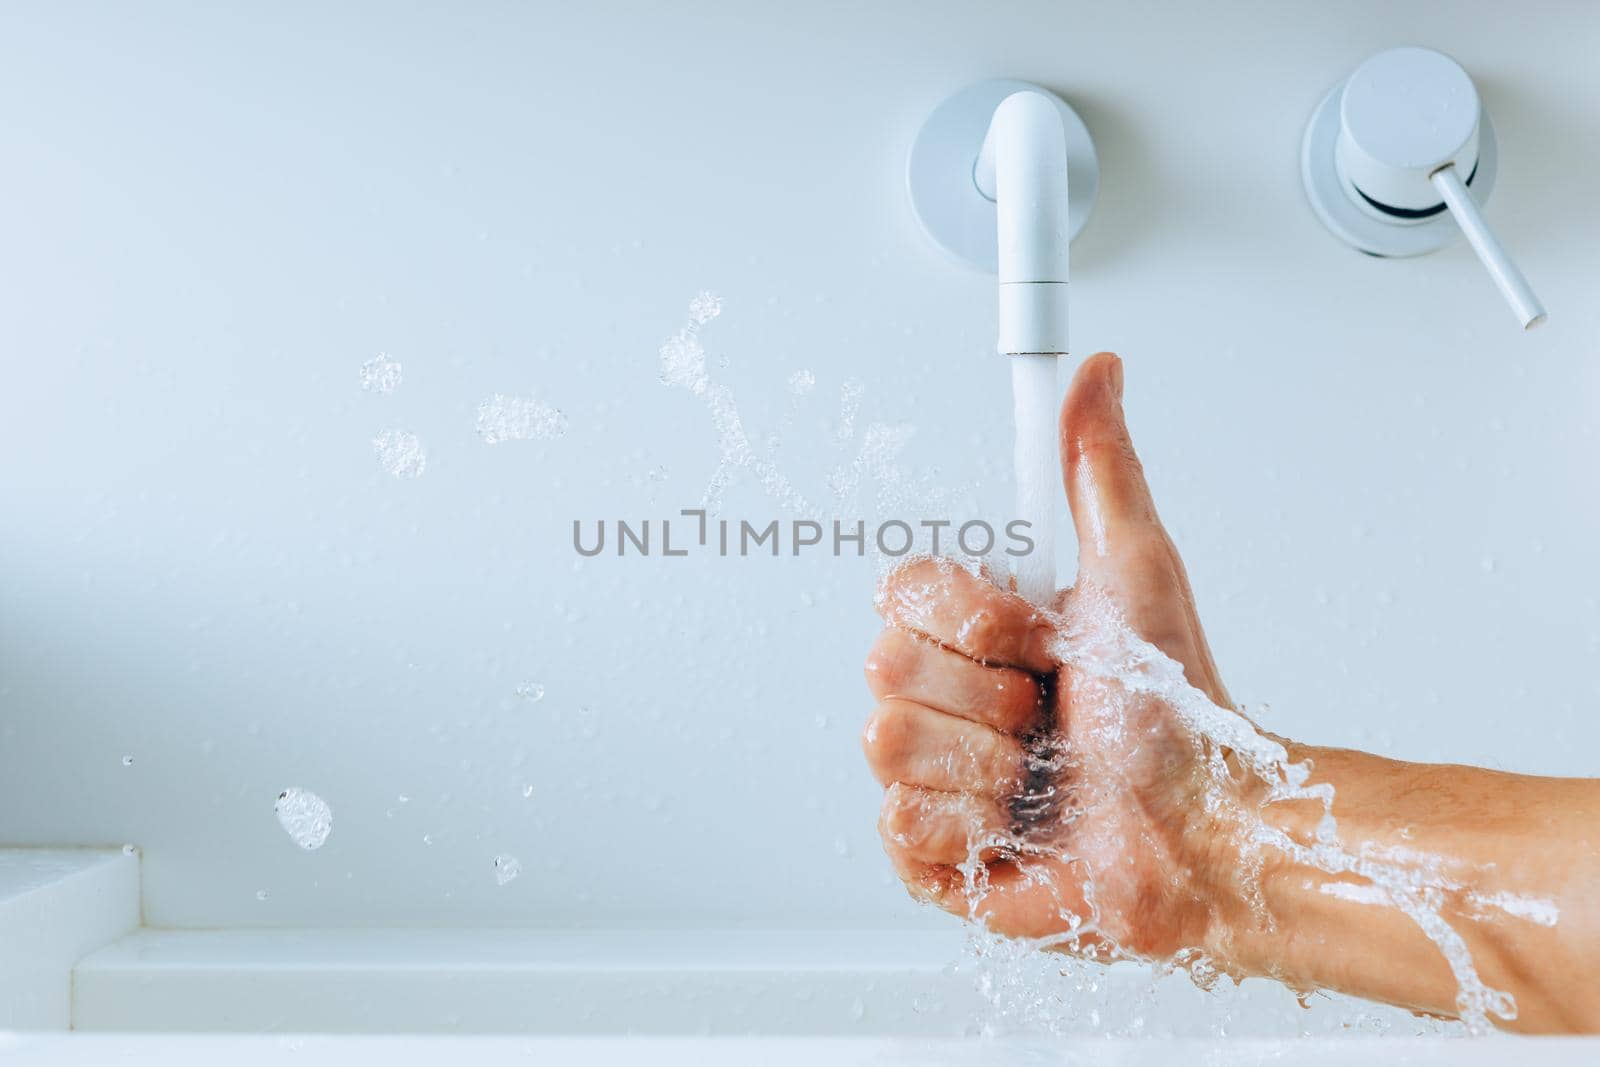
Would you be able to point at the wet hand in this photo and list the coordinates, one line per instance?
(1042, 799)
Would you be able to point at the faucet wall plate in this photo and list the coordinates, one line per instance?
(944, 193)
(1338, 203)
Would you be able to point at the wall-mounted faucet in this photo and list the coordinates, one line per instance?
(1399, 156)
(1022, 167)
(1003, 175)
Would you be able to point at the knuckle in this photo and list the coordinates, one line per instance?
(930, 885)
(898, 820)
(913, 578)
(1105, 447)
(893, 662)
(983, 632)
(887, 737)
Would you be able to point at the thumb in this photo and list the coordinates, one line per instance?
(1111, 505)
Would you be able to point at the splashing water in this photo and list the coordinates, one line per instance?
(849, 407)
(380, 375)
(881, 447)
(1058, 828)
(305, 817)
(1020, 979)
(518, 418)
(1038, 473)
(683, 364)
(401, 453)
(506, 869)
(1413, 883)
(1540, 910)
(704, 307)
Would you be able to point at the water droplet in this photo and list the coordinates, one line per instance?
(683, 360)
(400, 453)
(506, 868)
(518, 418)
(532, 692)
(127, 761)
(704, 307)
(305, 817)
(380, 374)
(261, 894)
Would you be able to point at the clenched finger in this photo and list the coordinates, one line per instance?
(934, 827)
(901, 664)
(965, 612)
(911, 743)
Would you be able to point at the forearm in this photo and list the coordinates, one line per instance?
(1510, 863)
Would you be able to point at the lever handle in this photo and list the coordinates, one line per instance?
(1496, 260)
(1397, 158)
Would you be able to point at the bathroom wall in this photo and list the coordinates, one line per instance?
(212, 218)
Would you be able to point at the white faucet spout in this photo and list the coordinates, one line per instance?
(1022, 167)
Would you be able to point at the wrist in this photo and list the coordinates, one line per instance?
(1443, 830)
(1276, 915)
(1501, 864)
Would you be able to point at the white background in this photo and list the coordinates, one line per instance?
(209, 220)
